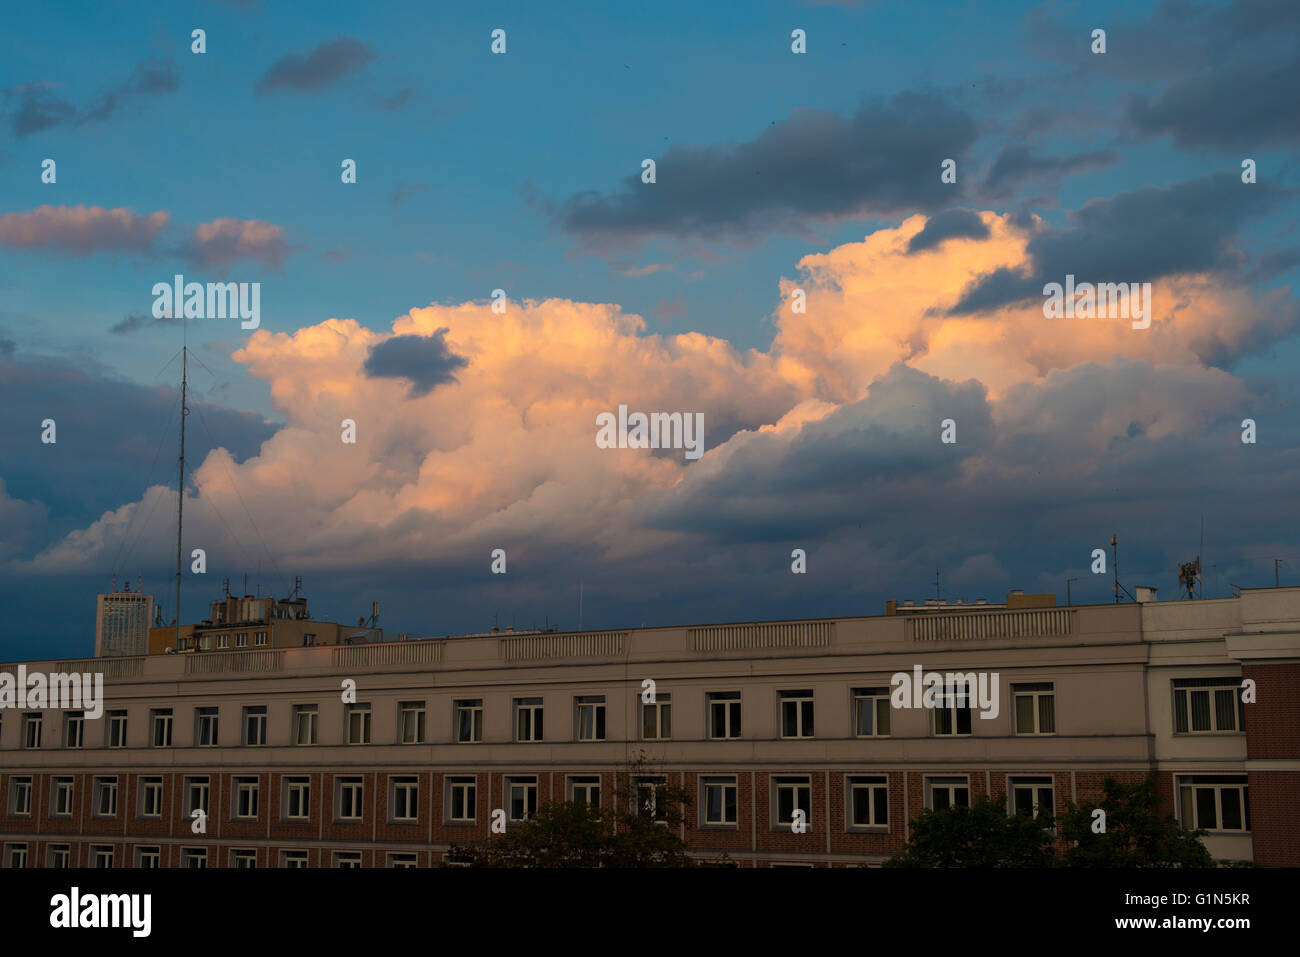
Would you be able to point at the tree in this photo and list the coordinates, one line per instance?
(1136, 833)
(980, 836)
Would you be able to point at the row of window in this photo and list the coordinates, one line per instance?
(1214, 802)
(101, 855)
(222, 642)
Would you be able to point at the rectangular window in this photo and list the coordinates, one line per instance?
(719, 801)
(308, 640)
(469, 720)
(17, 855)
(241, 640)
(528, 719)
(585, 790)
(1208, 706)
(657, 718)
(1032, 796)
(74, 729)
(410, 718)
(32, 730)
(117, 729)
(20, 797)
(245, 799)
(462, 800)
(1216, 802)
(293, 858)
(148, 856)
(358, 716)
(261, 638)
(792, 794)
(297, 799)
(223, 642)
(255, 726)
(724, 714)
(161, 720)
(347, 859)
(194, 857)
(648, 798)
(1035, 708)
(61, 797)
(304, 724)
(151, 793)
(197, 793)
(868, 802)
(348, 798)
(101, 855)
(952, 711)
(59, 855)
(206, 732)
(401, 861)
(243, 857)
(405, 800)
(591, 718)
(105, 790)
(796, 714)
(942, 793)
(521, 798)
(871, 712)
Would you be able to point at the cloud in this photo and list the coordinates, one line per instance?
(81, 230)
(150, 77)
(135, 322)
(424, 360)
(813, 166)
(405, 191)
(317, 70)
(225, 241)
(1017, 165)
(946, 225)
(39, 108)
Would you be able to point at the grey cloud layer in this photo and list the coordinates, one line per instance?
(314, 71)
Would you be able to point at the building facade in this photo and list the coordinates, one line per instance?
(122, 620)
(785, 732)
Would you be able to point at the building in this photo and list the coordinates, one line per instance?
(252, 622)
(758, 720)
(122, 620)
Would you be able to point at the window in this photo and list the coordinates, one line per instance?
(410, 718)
(308, 640)
(952, 710)
(261, 638)
(469, 720)
(105, 797)
(161, 719)
(796, 714)
(462, 800)
(871, 712)
(241, 640)
(719, 801)
(206, 730)
(205, 642)
(528, 719)
(148, 857)
(20, 797)
(17, 855)
(358, 723)
(196, 796)
(942, 793)
(245, 799)
(657, 718)
(401, 861)
(243, 857)
(61, 797)
(585, 790)
(792, 794)
(151, 792)
(297, 799)
(74, 729)
(591, 718)
(1216, 802)
(648, 803)
(521, 798)
(868, 803)
(255, 726)
(1031, 796)
(304, 724)
(405, 800)
(293, 858)
(59, 855)
(181, 644)
(348, 859)
(223, 641)
(101, 855)
(32, 730)
(1208, 705)
(117, 729)
(348, 798)
(194, 857)
(724, 714)
(1035, 708)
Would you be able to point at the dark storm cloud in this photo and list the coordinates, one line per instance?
(314, 71)
(949, 224)
(1136, 236)
(425, 360)
(38, 108)
(813, 165)
(1016, 165)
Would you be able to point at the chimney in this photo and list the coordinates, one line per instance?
(1146, 593)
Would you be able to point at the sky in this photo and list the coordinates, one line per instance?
(800, 271)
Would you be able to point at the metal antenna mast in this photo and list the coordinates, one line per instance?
(180, 492)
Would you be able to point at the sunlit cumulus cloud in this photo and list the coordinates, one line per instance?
(81, 230)
(475, 429)
(223, 241)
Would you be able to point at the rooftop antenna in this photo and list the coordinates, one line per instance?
(580, 604)
(1189, 575)
(180, 486)
(1117, 587)
(936, 585)
(1067, 590)
(1276, 563)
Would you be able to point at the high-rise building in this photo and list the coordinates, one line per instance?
(122, 620)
